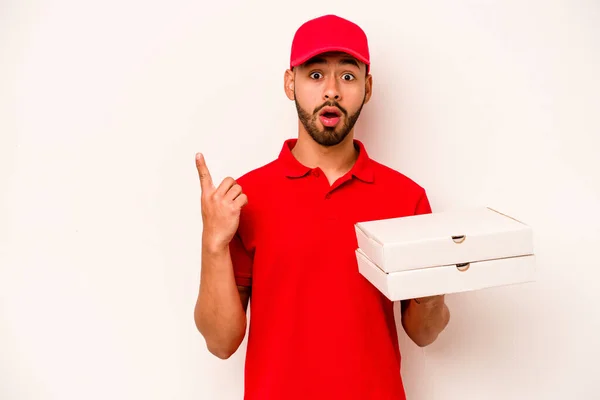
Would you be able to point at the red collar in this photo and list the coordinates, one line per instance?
(362, 168)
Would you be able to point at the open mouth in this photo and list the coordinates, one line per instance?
(330, 112)
(330, 116)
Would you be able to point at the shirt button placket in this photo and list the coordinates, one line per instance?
(328, 207)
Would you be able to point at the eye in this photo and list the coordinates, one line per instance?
(312, 75)
(348, 77)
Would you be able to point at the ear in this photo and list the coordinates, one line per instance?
(288, 84)
(368, 87)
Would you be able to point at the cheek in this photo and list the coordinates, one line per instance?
(354, 94)
(307, 99)
(353, 98)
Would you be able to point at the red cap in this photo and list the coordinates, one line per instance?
(329, 33)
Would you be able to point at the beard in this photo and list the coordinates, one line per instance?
(328, 136)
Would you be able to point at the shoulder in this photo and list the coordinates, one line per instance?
(394, 179)
(259, 183)
(258, 176)
(255, 184)
(408, 196)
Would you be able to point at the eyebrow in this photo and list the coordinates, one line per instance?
(321, 60)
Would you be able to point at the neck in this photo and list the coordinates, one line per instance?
(334, 161)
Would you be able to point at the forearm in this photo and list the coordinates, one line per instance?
(219, 314)
(424, 322)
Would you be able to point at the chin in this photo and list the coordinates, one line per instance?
(329, 139)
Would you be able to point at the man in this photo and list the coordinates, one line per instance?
(283, 236)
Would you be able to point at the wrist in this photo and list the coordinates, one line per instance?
(214, 247)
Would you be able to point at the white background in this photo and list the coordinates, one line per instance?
(104, 104)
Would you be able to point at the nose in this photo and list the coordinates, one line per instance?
(332, 91)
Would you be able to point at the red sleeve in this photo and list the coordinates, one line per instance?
(242, 262)
(423, 206)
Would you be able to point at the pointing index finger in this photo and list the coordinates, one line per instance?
(203, 173)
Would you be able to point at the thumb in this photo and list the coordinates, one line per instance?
(203, 173)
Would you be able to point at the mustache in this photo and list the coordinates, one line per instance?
(332, 103)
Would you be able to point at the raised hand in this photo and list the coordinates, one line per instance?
(221, 207)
